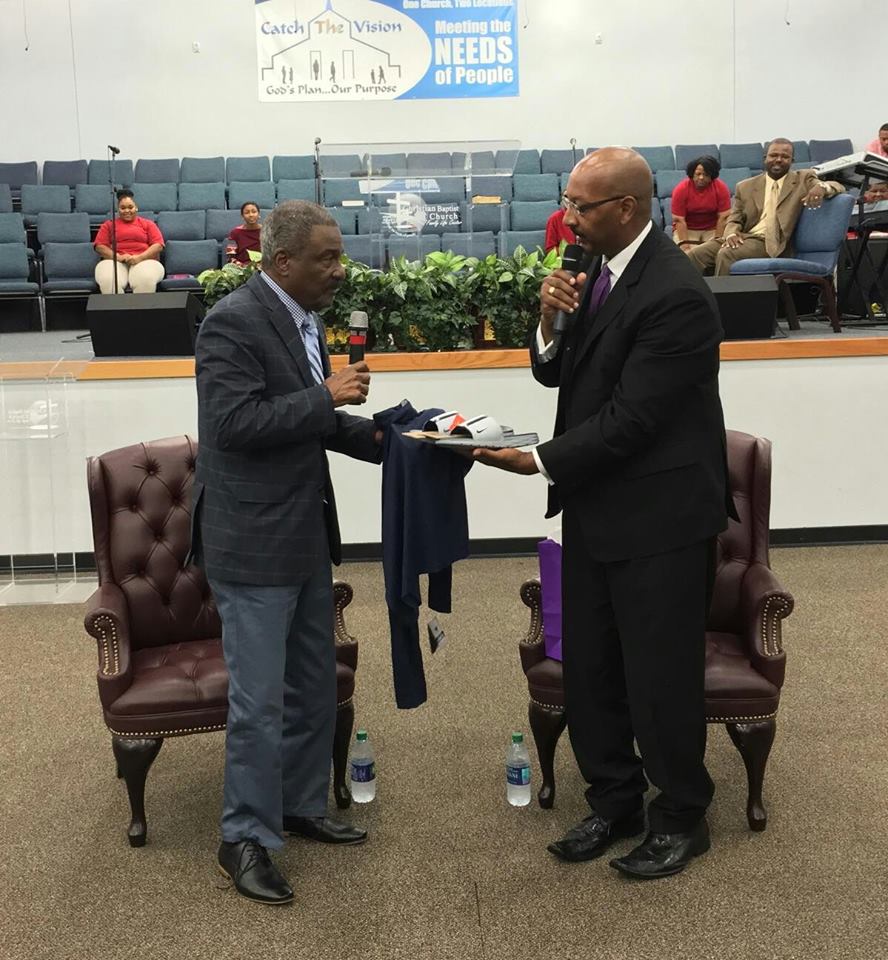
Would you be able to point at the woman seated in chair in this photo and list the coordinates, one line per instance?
(244, 237)
(700, 204)
(139, 244)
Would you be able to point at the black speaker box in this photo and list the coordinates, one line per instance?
(144, 324)
(747, 305)
(851, 295)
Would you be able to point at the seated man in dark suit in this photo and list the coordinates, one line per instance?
(265, 530)
(765, 212)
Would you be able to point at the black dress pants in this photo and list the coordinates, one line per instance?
(634, 647)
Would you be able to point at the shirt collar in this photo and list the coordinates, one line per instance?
(618, 263)
(297, 312)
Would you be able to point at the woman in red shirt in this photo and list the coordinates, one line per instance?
(139, 243)
(700, 204)
(246, 236)
(556, 231)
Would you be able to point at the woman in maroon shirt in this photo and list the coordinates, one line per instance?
(700, 204)
(246, 236)
(139, 244)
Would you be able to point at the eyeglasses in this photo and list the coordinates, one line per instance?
(580, 208)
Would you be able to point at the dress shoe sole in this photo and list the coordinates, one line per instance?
(332, 842)
(664, 872)
(566, 857)
(247, 896)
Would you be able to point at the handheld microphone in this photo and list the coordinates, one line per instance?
(572, 262)
(114, 150)
(357, 336)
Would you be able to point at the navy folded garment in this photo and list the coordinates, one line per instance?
(425, 528)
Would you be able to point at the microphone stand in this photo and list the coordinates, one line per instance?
(111, 170)
(317, 170)
(573, 150)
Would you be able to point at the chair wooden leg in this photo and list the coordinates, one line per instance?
(789, 305)
(547, 725)
(754, 741)
(134, 759)
(345, 720)
(830, 305)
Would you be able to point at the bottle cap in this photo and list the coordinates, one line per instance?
(361, 736)
(517, 737)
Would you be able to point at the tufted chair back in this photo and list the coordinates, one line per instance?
(140, 498)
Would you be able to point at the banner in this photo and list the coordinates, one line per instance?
(323, 50)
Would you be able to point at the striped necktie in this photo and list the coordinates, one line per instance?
(308, 330)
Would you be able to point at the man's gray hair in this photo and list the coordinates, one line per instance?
(288, 228)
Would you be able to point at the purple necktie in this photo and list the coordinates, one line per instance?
(600, 290)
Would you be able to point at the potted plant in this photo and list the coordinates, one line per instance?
(219, 283)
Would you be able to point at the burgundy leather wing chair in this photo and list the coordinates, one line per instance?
(161, 670)
(745, 662)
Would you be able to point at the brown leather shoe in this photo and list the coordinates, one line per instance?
(591, 837)
(663, 854)
(324, 830)
(248, 865)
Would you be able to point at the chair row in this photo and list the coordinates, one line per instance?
(260, 169)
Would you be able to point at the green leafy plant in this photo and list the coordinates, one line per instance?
(219, 283)
(363, 289)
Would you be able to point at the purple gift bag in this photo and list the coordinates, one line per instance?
(550, 589)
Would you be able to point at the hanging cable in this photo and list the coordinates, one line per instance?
(25, 25)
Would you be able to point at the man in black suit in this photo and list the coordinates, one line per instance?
(637, 465)
(265, 530)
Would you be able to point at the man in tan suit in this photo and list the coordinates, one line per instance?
(765, 212)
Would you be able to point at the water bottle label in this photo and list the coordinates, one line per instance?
(518, 776)
(363, 772)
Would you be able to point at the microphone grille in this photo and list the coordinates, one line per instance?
(572, 258)
(358, 320)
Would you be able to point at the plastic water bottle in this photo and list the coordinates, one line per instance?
(518, 772)
(363, 769)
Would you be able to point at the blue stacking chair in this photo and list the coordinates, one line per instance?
(247, 170)
(292, 168)
(296, 190)
(386, 164)
(492, 186)
(816, 242)
(801, 152)
(219, 223)
(742, 155)
(202, 170)
(12, 228)
(450, 190)
(157, 171)
(93, 199)
(666, 208)
(5, 198)
(182, 224)
(201, 196)
(346, 219)
(156, 196)
(16, 175)
(364, 249)
(668, 180)
(66, 173)
(558, 161)
(479, 244)
(413, 248)
(823, 150)
(99, 172)
(369, 220)
(530, 240)
(656, 212)
(17, 285)
(731, 176)
(69, 269)
(62, 228)
(531, 214)
(484, 217)
(527, 161)
(685, 152)
(658, 158)
(189, 257)
(38, 199)
(427, 164)
(335, 191)
(262, 193)
(341, 165)
(540, 186)
(483, 163)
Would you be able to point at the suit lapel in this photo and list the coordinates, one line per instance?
(790, 184)
(285, 326)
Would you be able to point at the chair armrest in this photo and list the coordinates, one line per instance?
(764, 603)
(346, 644)
(531, 647)
(107, 619)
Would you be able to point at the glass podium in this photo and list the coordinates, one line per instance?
(409, 199)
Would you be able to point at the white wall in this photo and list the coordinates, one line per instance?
(699, 71)
(824, 417)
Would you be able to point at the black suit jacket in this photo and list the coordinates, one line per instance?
(264, 511)
(638, 454)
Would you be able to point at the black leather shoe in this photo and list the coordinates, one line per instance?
(247, 864)
(591, 837)
(324, 830)
(662, 854)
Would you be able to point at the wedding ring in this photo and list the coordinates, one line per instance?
(551, 291)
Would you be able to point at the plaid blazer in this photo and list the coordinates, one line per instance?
(263, 510)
